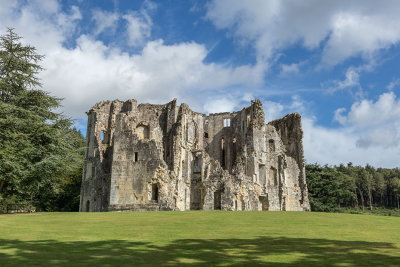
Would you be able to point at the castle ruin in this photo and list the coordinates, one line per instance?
(168, 157)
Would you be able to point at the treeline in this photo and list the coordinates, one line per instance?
(41, 156)
(332, 188)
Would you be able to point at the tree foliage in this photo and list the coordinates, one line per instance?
(332, 188)
(40, 154)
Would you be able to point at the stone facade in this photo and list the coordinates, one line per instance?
(168, 157)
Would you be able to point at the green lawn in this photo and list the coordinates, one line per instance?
(199, 238)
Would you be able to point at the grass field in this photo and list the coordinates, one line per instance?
(199, 238)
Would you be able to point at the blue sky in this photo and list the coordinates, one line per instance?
(334, 62)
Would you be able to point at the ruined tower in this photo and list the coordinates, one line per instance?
(168, 157)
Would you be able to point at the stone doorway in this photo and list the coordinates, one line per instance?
(264, 202)
(217, 200)
(154, 192)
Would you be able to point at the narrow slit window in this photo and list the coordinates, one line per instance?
(136, 156)
(223, 153)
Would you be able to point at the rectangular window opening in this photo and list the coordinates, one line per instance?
(136, 156)
(227, 122)
(154, 192)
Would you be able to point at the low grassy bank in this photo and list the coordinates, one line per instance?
(202, 238)
(375, 211)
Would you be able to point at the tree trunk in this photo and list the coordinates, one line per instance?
(355, 192)
(362, 198)
(370, 198)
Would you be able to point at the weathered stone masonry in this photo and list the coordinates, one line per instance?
(168, 157)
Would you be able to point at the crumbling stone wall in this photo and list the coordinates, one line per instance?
(168, 157)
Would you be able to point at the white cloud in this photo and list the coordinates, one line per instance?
(352, 79)
(393, 84)
(138, 29)
(288, 69)
(273, 110)
(345, 29)
(339, 117)
(105, 20)
(93, 71)
(335, 146)
(377, 145)
(366, 113)
(375, 124)
(220, 105)
(139, 24)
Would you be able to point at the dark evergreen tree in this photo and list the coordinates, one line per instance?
(38, 150)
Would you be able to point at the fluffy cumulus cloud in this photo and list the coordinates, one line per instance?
(362, 137)
(84, 70)
(343, 28)
(370, 129)
(367, 113)
(92, 71)
(342, 145)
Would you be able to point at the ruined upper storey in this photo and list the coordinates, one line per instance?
(168, 157)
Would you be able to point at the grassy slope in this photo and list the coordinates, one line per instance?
(204, 238)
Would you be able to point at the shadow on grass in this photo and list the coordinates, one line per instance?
(266, 251)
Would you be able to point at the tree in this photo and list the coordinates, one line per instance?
(36, 147)
(19, 67)
(329, 188)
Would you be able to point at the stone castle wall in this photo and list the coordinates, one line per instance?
(168, 157)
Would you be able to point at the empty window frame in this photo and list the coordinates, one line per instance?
(271, 144)
(154, 192)
(227, 122)
(143, 131)
(273, 175)
(262, 174)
